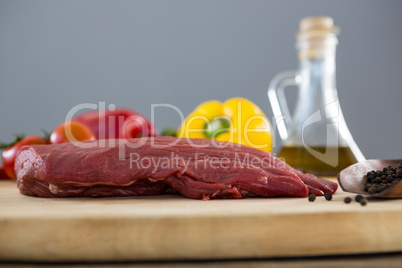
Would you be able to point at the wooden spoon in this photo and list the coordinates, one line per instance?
(352, 178)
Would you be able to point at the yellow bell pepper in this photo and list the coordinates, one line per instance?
(236, 120)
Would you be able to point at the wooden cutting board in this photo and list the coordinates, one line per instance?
(174, 227)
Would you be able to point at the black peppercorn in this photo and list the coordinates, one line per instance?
(363, 202)
(347, 200)
(311, 197)
(328, 196)
(367, 187)
(378, 181)
(358, 197)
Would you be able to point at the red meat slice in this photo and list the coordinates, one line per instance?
(196, 168)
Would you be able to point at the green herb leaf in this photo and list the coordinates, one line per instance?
(46, 135)
(18, 137)
(168, 132)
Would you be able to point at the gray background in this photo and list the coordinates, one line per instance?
(57, 54)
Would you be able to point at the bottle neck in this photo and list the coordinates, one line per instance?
(319, 75)
(318, 70)
(317, 94)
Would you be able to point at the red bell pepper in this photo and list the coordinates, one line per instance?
(120, 123)
(3, 174)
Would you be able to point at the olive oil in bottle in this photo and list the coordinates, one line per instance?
(332, 160)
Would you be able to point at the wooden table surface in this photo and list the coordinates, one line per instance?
(174, 228)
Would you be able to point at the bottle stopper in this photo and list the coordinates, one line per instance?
(314, 34)
(321, 24)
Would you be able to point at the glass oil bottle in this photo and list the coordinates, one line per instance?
(315, 138)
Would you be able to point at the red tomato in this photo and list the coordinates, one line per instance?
(111, 124)
(71, 131)
(9, 154)
(133, 127)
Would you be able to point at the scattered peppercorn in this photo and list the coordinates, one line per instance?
(311, 197)
(358, 198)
(347, 200)
(363, 202)
(328, 196)
(378, 181)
